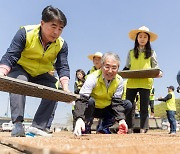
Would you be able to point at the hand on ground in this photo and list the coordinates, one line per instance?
(79, 127)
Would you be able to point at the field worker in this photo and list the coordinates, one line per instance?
(96, 58)
(79, 81)
(100, 97)
(34, 51)
(171, 108)
(140, 57)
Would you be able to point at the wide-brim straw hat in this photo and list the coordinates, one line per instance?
(133, 33)
(97, 54)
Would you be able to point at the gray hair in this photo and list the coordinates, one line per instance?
(110, 54)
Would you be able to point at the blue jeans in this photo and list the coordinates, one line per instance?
(172, 120)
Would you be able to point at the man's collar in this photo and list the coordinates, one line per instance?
(40, 38)
(107, 81)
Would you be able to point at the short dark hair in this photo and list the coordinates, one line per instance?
(171, 87)
(51, 13)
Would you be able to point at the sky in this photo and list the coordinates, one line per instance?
(99, 25)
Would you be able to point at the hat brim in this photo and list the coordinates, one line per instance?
(133, 34)
(93, 55)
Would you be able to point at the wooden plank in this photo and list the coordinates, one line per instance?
(146, 73)
(6, 149)
(21, 147)
(16, 86)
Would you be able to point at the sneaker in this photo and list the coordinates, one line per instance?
(29, 134)
(172, 133)
(18, 130)
(143, 131)
(49, 131)
(38, 132)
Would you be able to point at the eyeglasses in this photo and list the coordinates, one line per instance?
(108, 67)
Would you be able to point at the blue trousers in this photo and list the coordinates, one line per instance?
(17, 102)
(172, 120)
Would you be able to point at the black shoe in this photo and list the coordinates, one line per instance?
(143, 131)
(130, 131)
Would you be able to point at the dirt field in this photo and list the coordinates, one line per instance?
(154, 142)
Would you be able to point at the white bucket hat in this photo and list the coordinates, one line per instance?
(97, 54)
(133, 33)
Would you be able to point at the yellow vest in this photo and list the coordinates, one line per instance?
(79, 84)
(93, 69)
(171, 104)
(101, 93)
(139, 64)
(34, 59)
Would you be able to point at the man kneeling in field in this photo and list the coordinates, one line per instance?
(100, 97)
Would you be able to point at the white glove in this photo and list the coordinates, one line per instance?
(80, 126)
(123, 128)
